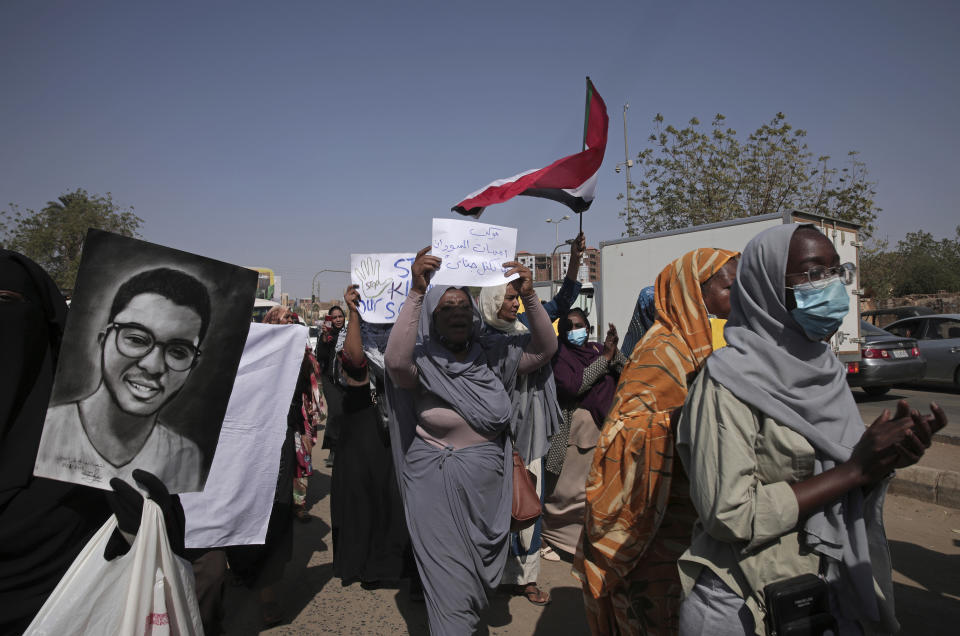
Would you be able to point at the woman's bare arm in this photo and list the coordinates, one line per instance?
(398, 358)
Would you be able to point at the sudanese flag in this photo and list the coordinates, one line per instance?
(571, 180)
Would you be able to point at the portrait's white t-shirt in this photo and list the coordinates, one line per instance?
(173, 458)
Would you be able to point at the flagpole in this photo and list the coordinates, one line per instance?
(583, 146)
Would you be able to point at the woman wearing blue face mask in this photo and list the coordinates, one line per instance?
(787, 481)
(586, 376)
(819, 298)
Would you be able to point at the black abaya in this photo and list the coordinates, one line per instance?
(332, 391)
(370, 539)
(43, 523)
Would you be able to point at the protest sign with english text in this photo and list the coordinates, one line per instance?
(383, 281)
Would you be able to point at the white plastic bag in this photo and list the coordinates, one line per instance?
(149, 590)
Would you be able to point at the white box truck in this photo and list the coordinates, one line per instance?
(630, 264)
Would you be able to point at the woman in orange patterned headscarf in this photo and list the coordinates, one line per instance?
(639, 515)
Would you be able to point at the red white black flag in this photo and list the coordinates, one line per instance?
(571, 180)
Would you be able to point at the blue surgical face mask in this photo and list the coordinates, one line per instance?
(577, 336)
(820, 310)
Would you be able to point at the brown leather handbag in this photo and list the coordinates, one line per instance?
(526, 501)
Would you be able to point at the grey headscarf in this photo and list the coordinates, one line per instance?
(771, 365)
(478, 388)
(474, 387)
(457, 502)
(536, 411)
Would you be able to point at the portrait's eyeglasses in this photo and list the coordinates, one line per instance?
(136, 341)
(820, 277)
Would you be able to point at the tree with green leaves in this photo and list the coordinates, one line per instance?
(919, 265)
(693, 176)
(878, 269)
(53, 236)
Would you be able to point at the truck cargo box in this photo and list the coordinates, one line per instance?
(628, 265)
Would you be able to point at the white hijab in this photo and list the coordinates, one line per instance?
(491, 299)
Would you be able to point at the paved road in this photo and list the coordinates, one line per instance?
(925, 547)
(316, 603)
(924, 542)
(919, 398)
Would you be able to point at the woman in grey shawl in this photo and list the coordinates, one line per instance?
(536, 417)
(785, 479)
(448, 388)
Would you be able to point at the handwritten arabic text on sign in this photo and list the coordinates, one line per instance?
(472, 253)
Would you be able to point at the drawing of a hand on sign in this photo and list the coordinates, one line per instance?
(368, 275)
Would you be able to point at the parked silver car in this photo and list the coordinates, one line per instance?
(938, 337)
(886, 359)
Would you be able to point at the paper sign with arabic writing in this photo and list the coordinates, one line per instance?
(472, 253)
(384, 281)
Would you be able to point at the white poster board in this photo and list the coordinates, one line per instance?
(472, 253)
(384, 281)
(234, 507)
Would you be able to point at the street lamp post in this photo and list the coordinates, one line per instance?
(553, 256)
(556, 226)
(315, 289)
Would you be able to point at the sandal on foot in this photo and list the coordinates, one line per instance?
(534, 594)
(546, 552)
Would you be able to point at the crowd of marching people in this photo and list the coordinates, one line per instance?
(691, 474)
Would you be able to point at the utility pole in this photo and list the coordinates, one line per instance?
(627, 161)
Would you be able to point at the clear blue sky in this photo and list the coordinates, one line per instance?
(290, 134)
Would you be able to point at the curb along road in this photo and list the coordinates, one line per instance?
(941, 487)
(933, 480)
(936, 478)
